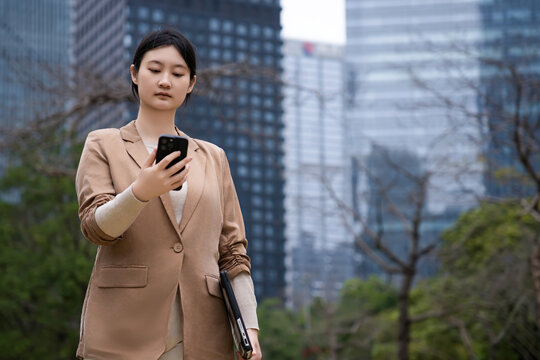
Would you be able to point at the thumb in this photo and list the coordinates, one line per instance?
(150, 159)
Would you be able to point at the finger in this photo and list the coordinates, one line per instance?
(150, 159)
(179, 165)
(167, 159)
(180, 178)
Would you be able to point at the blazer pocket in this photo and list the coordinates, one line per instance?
(213, 286)
(131, 276)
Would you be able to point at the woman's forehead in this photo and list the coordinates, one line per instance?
(165, 55)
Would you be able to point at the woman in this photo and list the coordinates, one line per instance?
(154, 291)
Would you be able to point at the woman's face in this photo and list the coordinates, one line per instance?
(163, 78)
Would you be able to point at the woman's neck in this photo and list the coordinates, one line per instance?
(151, 123)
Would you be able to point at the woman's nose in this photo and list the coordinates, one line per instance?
(164, 81)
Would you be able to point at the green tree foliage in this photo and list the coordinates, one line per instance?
(483, 299)
(45, 262)
(280, 335)
(359, 326)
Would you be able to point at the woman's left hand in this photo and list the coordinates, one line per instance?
(254, 338)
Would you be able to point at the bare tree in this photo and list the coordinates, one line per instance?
(508, 123)
(397, 195)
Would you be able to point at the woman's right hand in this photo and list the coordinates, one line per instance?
(155, 179)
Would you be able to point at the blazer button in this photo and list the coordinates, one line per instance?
(178, 247)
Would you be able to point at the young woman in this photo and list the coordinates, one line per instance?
(154, 291)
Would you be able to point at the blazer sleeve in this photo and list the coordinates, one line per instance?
(94, 188)
(232, 242)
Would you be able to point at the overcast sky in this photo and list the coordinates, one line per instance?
(315, 20)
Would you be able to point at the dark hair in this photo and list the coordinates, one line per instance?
(159, 38)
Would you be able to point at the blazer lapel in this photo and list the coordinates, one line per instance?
(137, 150)
(134, 145)
(196, 181)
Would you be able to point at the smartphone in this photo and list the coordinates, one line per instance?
(168, 144)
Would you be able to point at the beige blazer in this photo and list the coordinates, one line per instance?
(132, 287)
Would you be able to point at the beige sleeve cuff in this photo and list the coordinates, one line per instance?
(245, 296)
(115, 216)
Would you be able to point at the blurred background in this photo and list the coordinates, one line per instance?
(386, 154)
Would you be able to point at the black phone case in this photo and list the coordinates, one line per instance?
(168, 144)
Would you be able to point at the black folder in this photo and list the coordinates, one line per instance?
(241, 338)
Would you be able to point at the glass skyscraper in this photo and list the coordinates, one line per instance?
(319, 248)
(403, 58)
(35, 57)
(511, 36)
(99, 57)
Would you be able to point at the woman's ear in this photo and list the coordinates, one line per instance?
(192, 84)
(133, 74)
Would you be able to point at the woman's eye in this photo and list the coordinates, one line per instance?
(154, 71)
(178, 75)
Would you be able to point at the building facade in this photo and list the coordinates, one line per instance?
(100, 62)
(511, 38)
(405, 58)
(35, 56)
(319, 248)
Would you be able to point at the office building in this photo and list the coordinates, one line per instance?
(319, 247)
(403, 59)
(511, 38)
(100, 64)
(35, 54)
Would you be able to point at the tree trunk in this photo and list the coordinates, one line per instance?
(535, 270)
(404, 323)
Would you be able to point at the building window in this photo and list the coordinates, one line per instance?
(243, 170)
(268, 46)
(257, 188)
(256, 201)
(242, 143)
(143, 12)
(256, 114)
(214, 39)
(255, 87)
(242, 157)
(255, 30)
(255, 46)
(242, 84)
(242, 100)
(143, 28)
(214, 24)
(227, 55)
(268, 102)
(173, 18)
(257, 215)
(241, 56)
(269, 116)
(241, 29)
(268, 32)
(255, 100)
(227, 26)
(214, 54)
(226, 83)
(157, 15)
(241, 43)
(227, 41)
